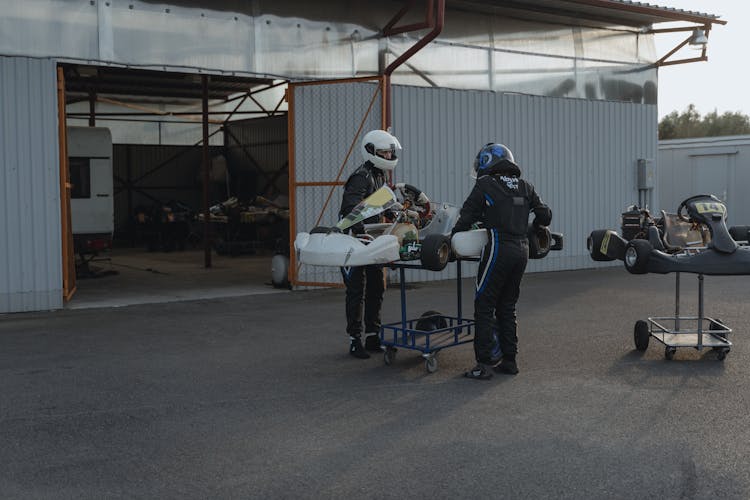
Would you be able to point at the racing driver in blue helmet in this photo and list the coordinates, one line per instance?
(502, 202)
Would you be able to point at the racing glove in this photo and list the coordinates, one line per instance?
(542, 216)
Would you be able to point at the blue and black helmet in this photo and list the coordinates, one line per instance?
(493, 158)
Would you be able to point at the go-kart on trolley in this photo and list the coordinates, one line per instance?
(694, 240)
(684, 331)
(431, 332)
(412, 241)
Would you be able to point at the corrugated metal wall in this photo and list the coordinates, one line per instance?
(713, 165)
(326, 120)
(579, 154)
(30, 242)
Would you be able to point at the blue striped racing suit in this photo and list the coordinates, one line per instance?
(502, 203)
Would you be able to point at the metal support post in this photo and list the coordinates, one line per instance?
(700, 311)
(677, 302)
(402, 286)
(458, 291)
(206, 179)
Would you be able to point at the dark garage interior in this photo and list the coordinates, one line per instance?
(161, 247)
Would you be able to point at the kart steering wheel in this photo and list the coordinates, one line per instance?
(412, 194)
(684, 203)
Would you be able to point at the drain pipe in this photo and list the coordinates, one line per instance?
(437, 27)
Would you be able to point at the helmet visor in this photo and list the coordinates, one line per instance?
(390, 153)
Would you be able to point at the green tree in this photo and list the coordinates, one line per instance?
(689, 123)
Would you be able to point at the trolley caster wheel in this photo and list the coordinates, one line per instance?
(431, 364)
(641, 335)
(669, 352)
(389, 355)
(721, 355)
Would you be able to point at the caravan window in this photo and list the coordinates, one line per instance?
(80, 177)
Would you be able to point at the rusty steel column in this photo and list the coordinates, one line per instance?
(92, 110)
(437, 27)
(206, 214)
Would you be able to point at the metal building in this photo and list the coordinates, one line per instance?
(711, 165)
(569, 85)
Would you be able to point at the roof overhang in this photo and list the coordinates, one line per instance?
(638, 15)
(118, 81)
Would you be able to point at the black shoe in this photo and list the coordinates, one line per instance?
(480, 372)
(507, 366)
(356, 349)
(372, 342)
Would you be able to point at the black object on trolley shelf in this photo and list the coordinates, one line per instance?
(432, 331)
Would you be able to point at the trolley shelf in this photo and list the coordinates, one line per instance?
(444, 331)
(684, 331)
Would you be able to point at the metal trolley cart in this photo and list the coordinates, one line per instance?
(684, 331)
(430, 333)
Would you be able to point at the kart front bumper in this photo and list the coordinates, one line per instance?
(343, 250)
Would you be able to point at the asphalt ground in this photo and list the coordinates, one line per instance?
(257, 397)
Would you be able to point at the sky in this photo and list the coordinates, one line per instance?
(723, 82)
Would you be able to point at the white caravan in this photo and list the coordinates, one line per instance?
(92, 195)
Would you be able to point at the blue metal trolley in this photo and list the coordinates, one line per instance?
(430, 333)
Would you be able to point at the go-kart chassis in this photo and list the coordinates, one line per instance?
(696, 260)
(454, 331)
(684, 331)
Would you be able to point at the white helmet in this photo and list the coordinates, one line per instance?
(381, 149)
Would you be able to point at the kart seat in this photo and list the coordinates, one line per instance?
(654, 237)
(679, 234)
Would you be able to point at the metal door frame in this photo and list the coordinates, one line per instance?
(66, 232)
(293, 184)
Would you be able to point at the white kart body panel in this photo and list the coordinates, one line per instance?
(469, 243)
(336, 249)
(343, 250)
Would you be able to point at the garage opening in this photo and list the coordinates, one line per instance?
(155, 216)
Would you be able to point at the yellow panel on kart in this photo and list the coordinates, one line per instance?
(708, 208)
(376, 203)
(605, 243)
(380, 197)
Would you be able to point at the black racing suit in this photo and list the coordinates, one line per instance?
(502, 203)
(362, 282)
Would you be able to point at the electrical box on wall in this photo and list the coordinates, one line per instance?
(646, 174)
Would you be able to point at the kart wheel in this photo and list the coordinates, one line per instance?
(435, 252)
(739, 233)
(637, 253)
(669, 352)
(539, 241)
(389, 355)
(594, 245)
(431, 320)
(641, 335)
(431, 364)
